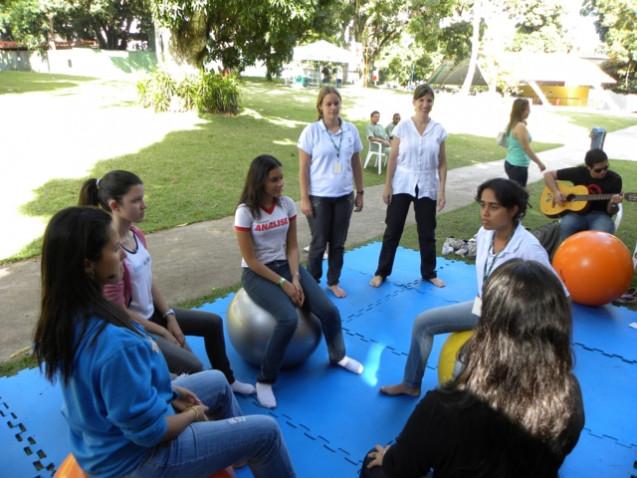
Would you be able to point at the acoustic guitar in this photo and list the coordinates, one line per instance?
(577, 198)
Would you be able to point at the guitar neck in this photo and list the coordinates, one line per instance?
(591, 197)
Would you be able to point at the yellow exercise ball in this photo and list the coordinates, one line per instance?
(449, 354)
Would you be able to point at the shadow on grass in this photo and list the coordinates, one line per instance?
(197, 175)
(27, 82)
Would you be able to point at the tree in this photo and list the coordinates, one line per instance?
(617, 27)
(237, 33)
(109, 22)
(377, 24)
(475, 45)
(538, 24)
(28, 22)
(112, 23)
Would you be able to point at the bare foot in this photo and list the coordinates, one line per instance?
(376, 281)
(438, 282)
(400, 389)
(337, 291)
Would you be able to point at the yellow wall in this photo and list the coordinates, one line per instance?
(560, 95)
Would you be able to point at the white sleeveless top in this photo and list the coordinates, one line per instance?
(139, 265)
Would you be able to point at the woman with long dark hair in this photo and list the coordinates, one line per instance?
(265, 224)
(501, 238)
(329, 168)
(125, 416)
(519, 152)
(515, 410)
(416, 172)
(122, 194)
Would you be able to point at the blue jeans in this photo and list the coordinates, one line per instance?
(452, 318)
(272, 298)
(591, 221)
(204, 448)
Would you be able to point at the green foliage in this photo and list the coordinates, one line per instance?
(205, 92)
(157, 91)
(617, 27)
(25, 22)
(26, 82)
(592, 120)
(218, 94)
(109, 22)
(538, 25)
(237, 33)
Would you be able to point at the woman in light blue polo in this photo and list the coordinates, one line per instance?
(519, 152)
(329, 167)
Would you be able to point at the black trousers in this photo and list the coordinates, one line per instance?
(329, 224)
(519, 174)
(425, 210)
(200, 324)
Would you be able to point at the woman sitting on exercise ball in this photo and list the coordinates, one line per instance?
(265, 224)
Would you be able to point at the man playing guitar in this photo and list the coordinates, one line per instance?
(596, 176)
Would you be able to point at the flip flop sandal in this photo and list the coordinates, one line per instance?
(625, 299)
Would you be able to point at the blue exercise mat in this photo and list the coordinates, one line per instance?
(330, 418)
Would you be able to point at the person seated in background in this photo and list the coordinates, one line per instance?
(389, 129)
(598, 179)
(376, 133)
(515, 409)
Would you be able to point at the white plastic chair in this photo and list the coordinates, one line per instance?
(375, 150)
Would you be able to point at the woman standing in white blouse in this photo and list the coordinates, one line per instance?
(329, 167)
(416, 172)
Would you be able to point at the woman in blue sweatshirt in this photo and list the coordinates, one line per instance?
(125, 416)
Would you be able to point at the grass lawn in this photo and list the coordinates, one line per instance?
(26, 82)
(593, 120)
(196, 175)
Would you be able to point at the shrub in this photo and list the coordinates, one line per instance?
(206, 92)
(156, 91)
(218, 94)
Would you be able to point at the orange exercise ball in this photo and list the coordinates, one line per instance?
(595, 266)
(70, 469)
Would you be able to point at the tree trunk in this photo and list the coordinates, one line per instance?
(475, 44)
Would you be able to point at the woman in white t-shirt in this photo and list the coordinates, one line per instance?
(416, 172)
(121, 193)
(265, 225)
(329, 164)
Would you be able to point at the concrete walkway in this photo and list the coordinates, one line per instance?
(191, 261)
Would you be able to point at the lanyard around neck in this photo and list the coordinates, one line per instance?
(489, 268)
(340, 140)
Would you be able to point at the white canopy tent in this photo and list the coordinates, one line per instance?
(323, 51)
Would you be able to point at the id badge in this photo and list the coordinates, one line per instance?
(477, 306)
(338, 168)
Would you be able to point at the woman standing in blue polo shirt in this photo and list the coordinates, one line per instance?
(329, 165)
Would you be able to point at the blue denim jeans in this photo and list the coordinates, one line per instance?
(452, 318)
(272, 298)
(204, 448)
(591, 221)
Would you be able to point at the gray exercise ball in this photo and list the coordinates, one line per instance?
(251, 326)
